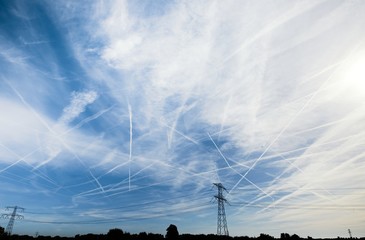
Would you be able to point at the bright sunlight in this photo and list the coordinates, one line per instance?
(352, 78)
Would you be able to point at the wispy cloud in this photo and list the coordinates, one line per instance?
(79, 101)
(140, 90)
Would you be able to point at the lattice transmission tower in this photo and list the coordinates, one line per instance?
(12, 218)
(350, 233)
(222, 228)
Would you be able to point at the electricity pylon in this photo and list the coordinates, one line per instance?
(12, 218)
(350, 233)
(222, 228)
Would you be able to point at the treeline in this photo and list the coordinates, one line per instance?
(118, 234)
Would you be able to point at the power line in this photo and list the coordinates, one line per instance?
(309, 207)
(180, 210)
(197, 205)
(131, 206)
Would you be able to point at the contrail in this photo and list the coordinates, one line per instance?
(224, 115)
(286, 152)
(291, 121)
(282, 19)
(113, 169)
(28, 106)
(242, 176)
(50, 158)
(92, 175)
(22, 159)
(79, 159)
(300, 170)
(313, 191)
(9, 166)
(84, 121)
(51, 130)
(180, 133)
(97, 182)
(303, 97)
(225, 159)
(88, 119)
(135, 174)
(115, 187)
(162, 182)
(130, 144)
(179, 111)
(257, 188)
(211, 139)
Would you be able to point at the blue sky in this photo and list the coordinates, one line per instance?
(124, 113)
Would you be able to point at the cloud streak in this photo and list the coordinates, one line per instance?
(79, 101)
(141, 88)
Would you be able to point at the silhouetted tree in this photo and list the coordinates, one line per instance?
(265, 237)
(295, 237)
(154, 236)
(172, 232)
(241, 238)
(115, 234)
(142, 236)
(284, 236)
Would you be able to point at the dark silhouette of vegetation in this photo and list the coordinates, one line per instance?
(115, 234)
(2, 231)
(264, 236)
(284, 236)
(171, 233)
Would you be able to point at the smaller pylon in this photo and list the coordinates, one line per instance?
(350, 233)
(12, 217)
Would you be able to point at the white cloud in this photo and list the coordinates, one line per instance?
(265, 75)
(79, 101)
(19, 128)
(258, 77)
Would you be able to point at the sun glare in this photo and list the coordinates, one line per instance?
(356, 72)
(353, 77)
